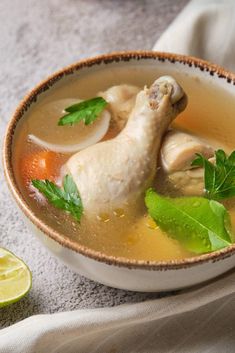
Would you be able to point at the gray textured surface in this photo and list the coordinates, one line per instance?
(36, 38)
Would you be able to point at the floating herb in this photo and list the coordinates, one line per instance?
(66, 198)
(219, 178)
(201, 225)
(88, 111)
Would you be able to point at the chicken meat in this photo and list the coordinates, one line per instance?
(115, 173)
(121, 99)
(178, 150)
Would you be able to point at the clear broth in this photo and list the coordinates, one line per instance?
(210, 114)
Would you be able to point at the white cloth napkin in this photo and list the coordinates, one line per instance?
(198, 320)
(206, 29)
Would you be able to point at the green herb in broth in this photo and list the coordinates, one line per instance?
(219, 178)
(66, 198)
(152, 244)
(88, 111)
(201, 225)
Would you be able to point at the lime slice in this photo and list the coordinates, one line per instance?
(15, 278)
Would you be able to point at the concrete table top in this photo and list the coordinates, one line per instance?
(37, 38)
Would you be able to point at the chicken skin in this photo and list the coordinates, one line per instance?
(115, 173)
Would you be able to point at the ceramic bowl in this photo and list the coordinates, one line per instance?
(119, 272)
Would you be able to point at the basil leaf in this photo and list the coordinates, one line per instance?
(219, 178)
(66, 198)
(201, 225)
(88, 111)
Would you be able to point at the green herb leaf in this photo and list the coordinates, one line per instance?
(88, 111)
(66, 198)
(201, 225)
(219, 178)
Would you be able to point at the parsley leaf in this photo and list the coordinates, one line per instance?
(219, 178)
(66, 198)
(201, 225)
(88, 111)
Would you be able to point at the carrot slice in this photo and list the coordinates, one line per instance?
(40, 165)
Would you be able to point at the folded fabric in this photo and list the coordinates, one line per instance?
(197, 320)
(206, 29)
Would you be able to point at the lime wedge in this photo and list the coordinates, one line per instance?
(15, 278)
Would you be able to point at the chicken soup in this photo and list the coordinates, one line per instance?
(131, 163)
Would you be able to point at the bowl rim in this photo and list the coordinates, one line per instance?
(65, 241)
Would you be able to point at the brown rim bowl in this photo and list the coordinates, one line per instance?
(44, 86)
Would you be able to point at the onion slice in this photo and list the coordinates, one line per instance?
(96, 136)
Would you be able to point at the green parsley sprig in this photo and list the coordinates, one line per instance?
(219, 178)
(88, 111)
(66, 198)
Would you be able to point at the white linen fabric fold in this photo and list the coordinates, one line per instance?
(197, 320)
(205, 29)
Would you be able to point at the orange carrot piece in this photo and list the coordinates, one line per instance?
(40, 165)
